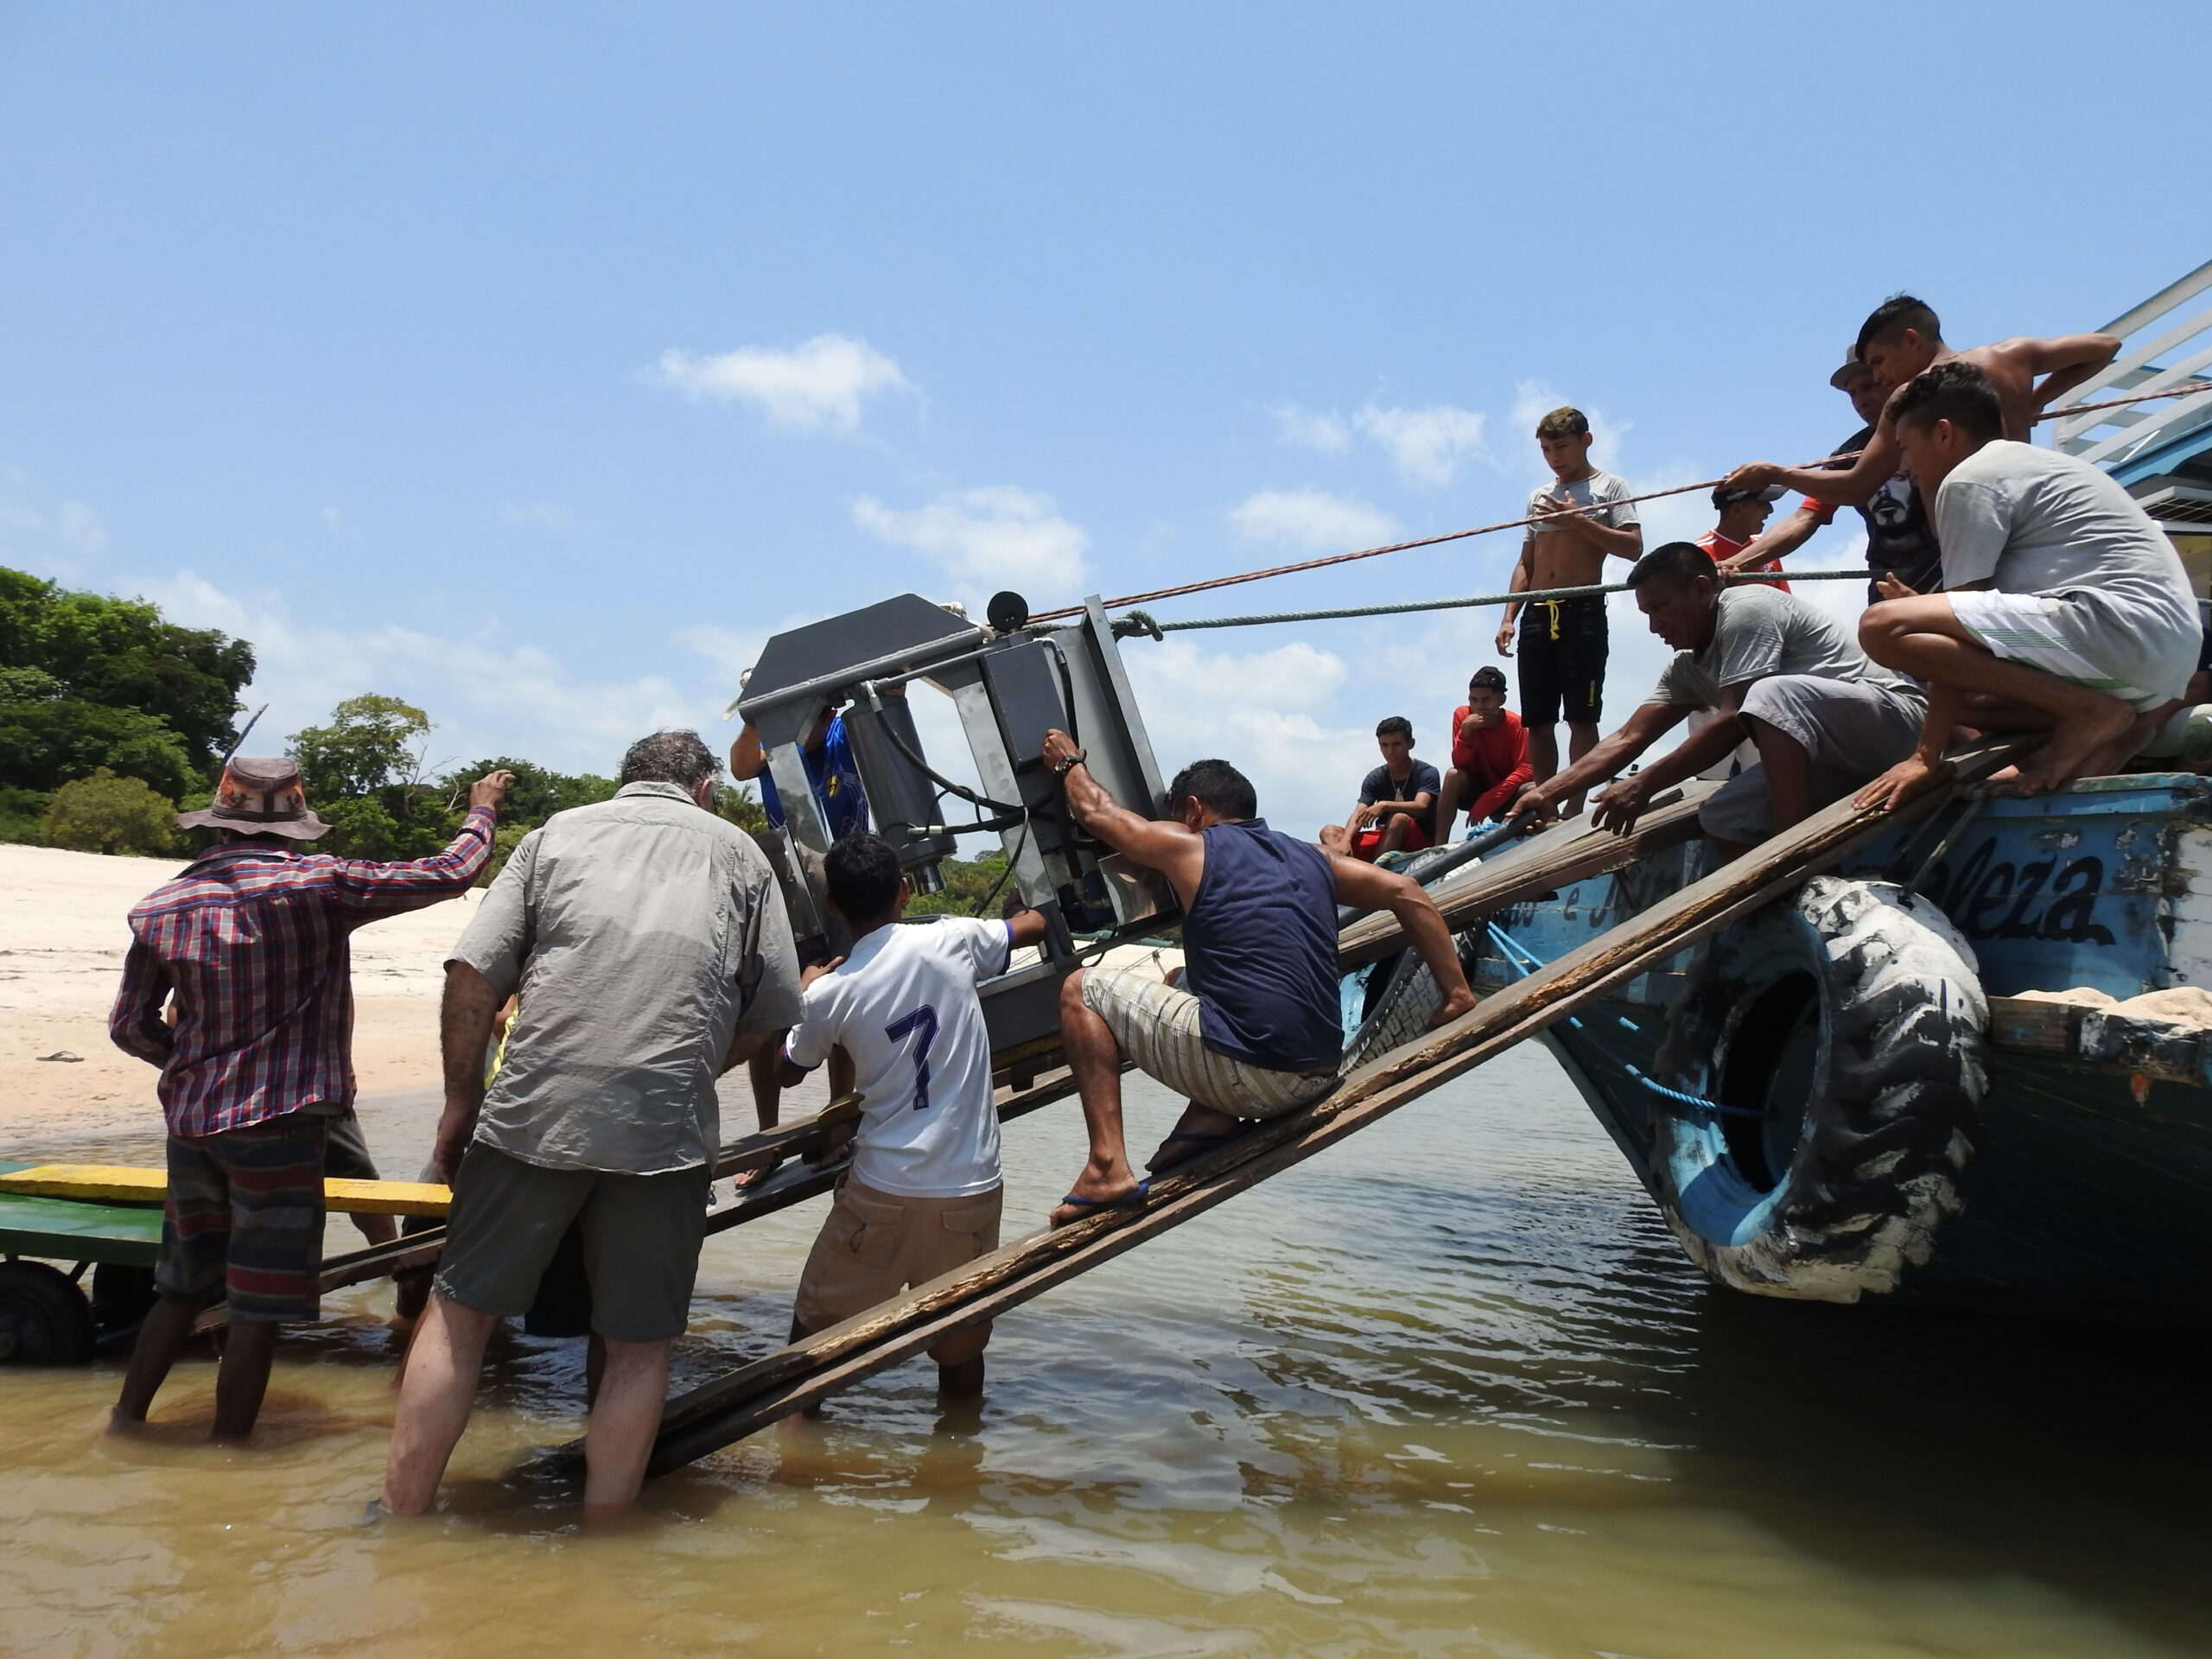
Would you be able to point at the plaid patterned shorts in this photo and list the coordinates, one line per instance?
(244, 1216)
(1157, 1027)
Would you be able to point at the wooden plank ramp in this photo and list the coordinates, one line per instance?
(730, 1406)
(790, 1185)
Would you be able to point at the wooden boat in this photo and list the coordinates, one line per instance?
(1859, 1092)
(1846, 1095)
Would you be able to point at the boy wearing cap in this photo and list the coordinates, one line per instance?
(248, 949)
(1563, 642)
(1902, 337)
(1490, 755)
(924, 1195)
(1743, 514)
(1899, 541)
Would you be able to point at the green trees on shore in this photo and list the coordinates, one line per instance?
(111, 718)
(88, 682)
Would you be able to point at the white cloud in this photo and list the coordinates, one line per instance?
(541, 515)
(62, 538)
(1305, 429)
(1312, 518)
(731, 650)
(999, 536)
(1269, 713)
(1426, 446)
(486, 697)
(818, 385)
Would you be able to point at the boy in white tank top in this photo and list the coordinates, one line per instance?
(923, 1194)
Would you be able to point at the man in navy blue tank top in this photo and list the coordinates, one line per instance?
(1253, 1031)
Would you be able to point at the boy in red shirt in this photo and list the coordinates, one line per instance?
(1490, 754)
(1743, 516)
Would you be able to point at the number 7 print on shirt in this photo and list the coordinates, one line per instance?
(923, 1020)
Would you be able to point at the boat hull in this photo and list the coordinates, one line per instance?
(2089, 1193)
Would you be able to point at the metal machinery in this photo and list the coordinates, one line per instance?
(1010, 685)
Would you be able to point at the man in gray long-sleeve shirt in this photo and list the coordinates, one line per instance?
(647, 943)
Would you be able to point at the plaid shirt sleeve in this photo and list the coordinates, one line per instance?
(369, 889)
(135, 1024)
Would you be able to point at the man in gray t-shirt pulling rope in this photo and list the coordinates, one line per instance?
(2065, 609)
(1765, 666)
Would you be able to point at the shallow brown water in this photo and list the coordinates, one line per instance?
(1450, 1389)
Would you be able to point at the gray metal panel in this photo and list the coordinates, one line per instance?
(1106, 721)
(890, 637)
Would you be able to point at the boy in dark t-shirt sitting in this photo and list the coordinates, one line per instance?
(1397, 801)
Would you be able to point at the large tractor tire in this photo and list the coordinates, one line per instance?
(1821, 1079)
(1401, 997)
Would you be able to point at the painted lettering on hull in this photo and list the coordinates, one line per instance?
(1991, 897)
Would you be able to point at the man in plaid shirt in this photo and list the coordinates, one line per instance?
(238, 986)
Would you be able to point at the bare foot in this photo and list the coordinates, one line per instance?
(2110, 758)
(2072, 744)
(746, 1179)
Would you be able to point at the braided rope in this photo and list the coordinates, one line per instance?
(1130, 624)
(1065, 611)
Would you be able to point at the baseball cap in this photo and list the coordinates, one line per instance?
(1723, 499)
(1854, 366)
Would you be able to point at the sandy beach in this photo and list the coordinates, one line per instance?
(63, 933)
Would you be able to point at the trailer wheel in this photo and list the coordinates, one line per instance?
(44, 1318)
(122, 1297)
(1821, 1082)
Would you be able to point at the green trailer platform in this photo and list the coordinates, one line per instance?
(46, 1315)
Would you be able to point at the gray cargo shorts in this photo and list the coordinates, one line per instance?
(1157, 1027)
(1853, 730)
(641, 1236)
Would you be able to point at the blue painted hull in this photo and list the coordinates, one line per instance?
(2090, 1195)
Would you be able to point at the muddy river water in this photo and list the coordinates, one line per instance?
(1449, 1389)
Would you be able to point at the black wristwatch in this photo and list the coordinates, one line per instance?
(1074, 760)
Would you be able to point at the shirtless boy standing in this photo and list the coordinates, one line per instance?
(1563, 640)
(1899, 340)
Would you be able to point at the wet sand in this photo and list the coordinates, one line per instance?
(63, 935)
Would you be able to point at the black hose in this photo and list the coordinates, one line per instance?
(930, 831)
(945, 783)
(998, 887)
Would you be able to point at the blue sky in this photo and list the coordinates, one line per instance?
(535, 363)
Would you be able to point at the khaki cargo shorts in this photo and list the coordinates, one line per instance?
(876, 1244)
(1156, 1026)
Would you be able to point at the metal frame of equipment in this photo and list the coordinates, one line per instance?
(1009, 685)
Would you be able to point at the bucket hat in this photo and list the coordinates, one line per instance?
(258, 797)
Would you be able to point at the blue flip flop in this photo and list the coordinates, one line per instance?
(1133, 1199)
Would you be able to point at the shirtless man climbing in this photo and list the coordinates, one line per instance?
(1899, 340)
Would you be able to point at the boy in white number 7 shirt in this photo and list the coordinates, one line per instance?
(923, 1193)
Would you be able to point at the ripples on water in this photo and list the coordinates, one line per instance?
(1449, 1388)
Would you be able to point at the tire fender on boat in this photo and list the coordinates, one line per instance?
(1819, 1093)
